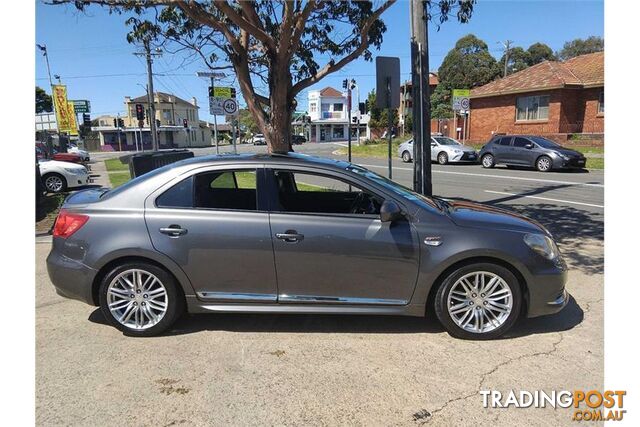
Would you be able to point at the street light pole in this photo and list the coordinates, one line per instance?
(150, 96)
(422, 182)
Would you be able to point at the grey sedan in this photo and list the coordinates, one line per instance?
(443, 150)
(298, 234)
(530, 151)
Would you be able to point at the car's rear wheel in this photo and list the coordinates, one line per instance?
(140, 299)
(443, 159)
(544, 164)
(406, 157)
(478, 301)
(54, 183)
(488, 161)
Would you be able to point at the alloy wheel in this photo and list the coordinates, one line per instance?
(406, 157)
(480, 302)
(443, 158)
(544, 164)
(54, 184)
(137, 299)
(487, 161)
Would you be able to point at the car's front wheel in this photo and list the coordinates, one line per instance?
(140, 299)
(488, 161)
(406, 157)
(443, 159)
(54, 183)
(543, 164)
(478, 301)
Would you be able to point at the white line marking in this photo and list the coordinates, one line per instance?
(552, 181)
(543, 198)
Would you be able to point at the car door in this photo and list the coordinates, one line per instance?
(503, 153)
(214, 225)
(434, 149)
(331, 250)
(523, 151)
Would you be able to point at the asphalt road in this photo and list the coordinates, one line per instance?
(261, 369)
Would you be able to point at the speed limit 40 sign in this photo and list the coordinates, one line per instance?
(223, 106)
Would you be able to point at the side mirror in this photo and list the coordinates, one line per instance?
(433, 144)
(529, 146)
(390, 211)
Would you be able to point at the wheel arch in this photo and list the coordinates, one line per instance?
(474, 260)
(535, 162)
(119, 260)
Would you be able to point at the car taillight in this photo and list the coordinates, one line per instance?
(68, 223)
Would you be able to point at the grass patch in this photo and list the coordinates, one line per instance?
(595, 163)
(377, 149)
(47, 211)
(118, 172)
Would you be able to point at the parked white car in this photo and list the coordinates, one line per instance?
(443, 150)
(82, 153)
(58, 176)
(258, 139)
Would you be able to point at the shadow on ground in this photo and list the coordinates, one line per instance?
(568, 318)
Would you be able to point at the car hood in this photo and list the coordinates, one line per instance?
(465, 148)
(468, 214)
(569, 152)
(50, 164)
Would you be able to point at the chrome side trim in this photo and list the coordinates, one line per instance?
(338, 300)
(237, 296)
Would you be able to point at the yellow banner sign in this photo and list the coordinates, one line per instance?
(464, 93)
(64, 116)
(73, 129)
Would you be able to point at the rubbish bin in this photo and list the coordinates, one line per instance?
(141, 163)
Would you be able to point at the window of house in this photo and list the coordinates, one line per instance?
(303, 192)
(313, 107)
(532, 107)
(601, 103)
(166, 115)
(338, 132)
(337, 106)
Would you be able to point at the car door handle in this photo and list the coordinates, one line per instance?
(173, 230)
(290, 236)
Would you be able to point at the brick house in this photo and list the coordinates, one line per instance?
(554, 99)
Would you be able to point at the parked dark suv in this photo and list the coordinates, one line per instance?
(532, 151)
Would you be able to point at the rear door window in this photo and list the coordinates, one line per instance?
(506, 140)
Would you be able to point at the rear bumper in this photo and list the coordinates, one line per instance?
(71, 278)
(547, 293)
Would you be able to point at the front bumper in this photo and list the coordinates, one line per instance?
(572, 163)
(547, 293)
(466, 156)
(71, 278)
(78, 180)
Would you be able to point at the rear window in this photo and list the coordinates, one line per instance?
(504, 140)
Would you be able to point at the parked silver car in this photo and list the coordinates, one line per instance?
(298, 234)
(443, 150)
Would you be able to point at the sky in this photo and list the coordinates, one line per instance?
(90, 53)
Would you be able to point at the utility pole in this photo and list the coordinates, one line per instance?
(150, 96)
(215, 118)
(420, 98)
(43, 49)
(507, 46)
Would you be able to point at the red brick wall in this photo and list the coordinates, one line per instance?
(570, 111)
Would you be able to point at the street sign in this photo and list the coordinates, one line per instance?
(460, 99)
(211, 74)
(219, 106)
(387, 78)
(222, 92)
(81, 106)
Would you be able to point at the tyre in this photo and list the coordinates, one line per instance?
(406, 157)
(488, 161)
(443, 159)
(54, 183)
(478, 301)
(544, 164)
(141, 299)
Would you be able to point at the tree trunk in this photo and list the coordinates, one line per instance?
(278, 133)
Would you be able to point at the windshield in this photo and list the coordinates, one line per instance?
(445, 140)
(399, 189)
(544, 142)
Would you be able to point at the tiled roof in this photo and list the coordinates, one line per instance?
(329, 91)
(584, 70)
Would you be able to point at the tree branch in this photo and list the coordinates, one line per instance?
(332, 67)
(244, 24)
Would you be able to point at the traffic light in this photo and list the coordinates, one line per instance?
(367, 106)
(86, 120)
(233, 92)
(185, 123)
(115, 123)
(352, 84)
(120, 123)
(345, 83)
(362, 108)
(157, 124)
(139, 112)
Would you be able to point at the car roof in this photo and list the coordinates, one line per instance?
(289, 158)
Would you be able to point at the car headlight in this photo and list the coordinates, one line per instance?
(75, 171)
(542, 245)
(563, 156)
(456, 151)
